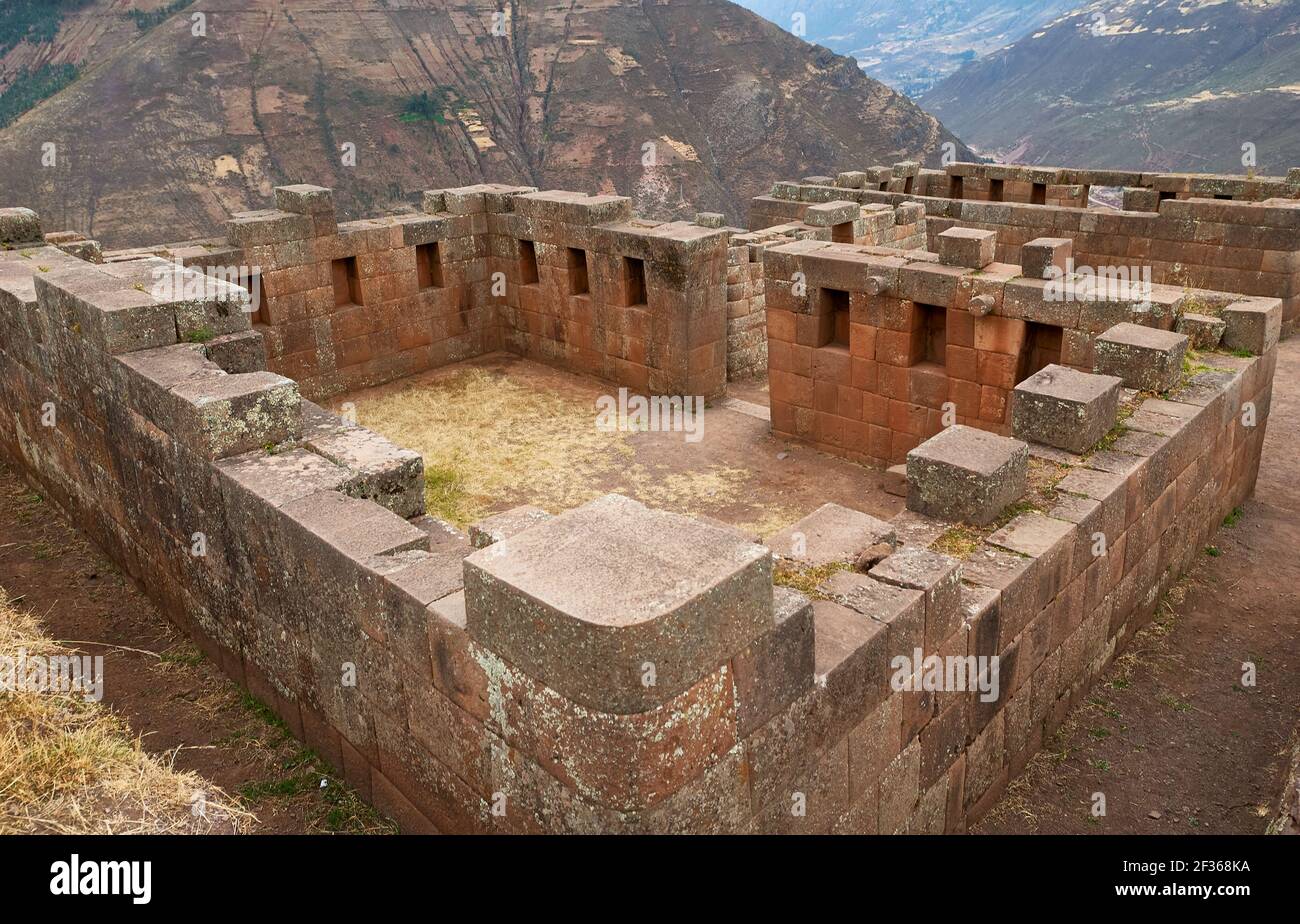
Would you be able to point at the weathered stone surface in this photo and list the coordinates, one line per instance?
(1203, 332)
(243, 351)
(1064, 408)
(852, 654)
(967, 247)
(1144, 357)
(597, 599)
(503, 525)
(380, 470)
(19, 226)
(966, 474)
(902, 609)
(1253, 325)
(828, 214)
(305, 199)
(1045, 257)
(830, 533)
(777, 667)
(938, 577)
(231, 414)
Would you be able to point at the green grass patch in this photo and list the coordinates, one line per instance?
(445, 493)
(958, 541)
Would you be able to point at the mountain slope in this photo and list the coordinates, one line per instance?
(911, 44)
(682, 105)
(1159, 86)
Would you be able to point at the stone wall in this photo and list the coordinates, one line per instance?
(612, 668)
(1243, 245)
(560, 277)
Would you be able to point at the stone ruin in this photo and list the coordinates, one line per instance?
(618, 668)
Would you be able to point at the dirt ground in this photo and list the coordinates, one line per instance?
(183, 708)
(1171, 736)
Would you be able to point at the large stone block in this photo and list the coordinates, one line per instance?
(967, 247)
(503, 525)
(1046, 257)
(1144, 357)
(19, 226)
(617, 606)
(1253, 325)
(966, 474)
(830, 533)
(380, 470)
(828, 214)
(225, 415)
(938, 577)
(305, 199)
(1064, 408)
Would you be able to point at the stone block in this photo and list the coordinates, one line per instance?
(379, 470)
(829, 534)
(1045, 257)
(242, 351)
(1253, 325)
(1144, 357)
(852, 655)
(501, 526)
(777, 668)
(230, 414)
(901, 609)
(1065, 408)
(305, 199)
(598, 599)
(967, 247)
(828, 214)
(1203, 331)
(19, 226)
(935, 575)
(966, 474)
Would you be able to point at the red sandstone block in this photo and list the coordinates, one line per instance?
(850, 403)
(966, 396)
(832, 364)
(829, 429)
(901, 444)
(927, 385)
(875, 409)
(893, 380)
(960, 362)
(862, 340)
(993, 404)
(996, 369)
(898, 314)
(826, 397)
(894, 347)
(881, 441)
(999, 335)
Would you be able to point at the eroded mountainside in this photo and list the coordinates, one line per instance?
(910, 44)
(1155, 85)
(169, 124)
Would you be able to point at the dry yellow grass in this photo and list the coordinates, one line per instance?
(488, 440)
(68, 765)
